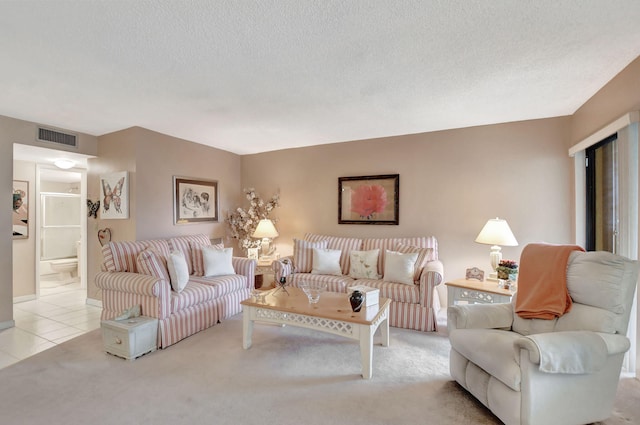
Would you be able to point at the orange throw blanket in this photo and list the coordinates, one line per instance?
(542, 281)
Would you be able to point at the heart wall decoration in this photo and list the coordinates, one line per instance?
(104, 236)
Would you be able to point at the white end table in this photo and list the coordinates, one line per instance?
(476, 292)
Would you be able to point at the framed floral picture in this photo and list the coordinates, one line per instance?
(369, 199)
(194, 200)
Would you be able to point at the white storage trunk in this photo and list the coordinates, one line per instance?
(371, 295)
(130, 338)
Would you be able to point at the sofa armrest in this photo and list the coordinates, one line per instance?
(432, 276)
(571, 352)
(134, 283)
(122, 290)
(282, 267)
(480, 316)
(245, 267)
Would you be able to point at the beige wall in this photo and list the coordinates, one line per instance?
(619, 96)
(17, 131)
(152, 159)
(451, 183)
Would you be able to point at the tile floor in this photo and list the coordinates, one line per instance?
(61, 313)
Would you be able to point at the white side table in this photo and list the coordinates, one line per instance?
(476, 292)
(130, 338)
(265, 271)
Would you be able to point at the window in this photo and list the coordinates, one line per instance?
(602, 215)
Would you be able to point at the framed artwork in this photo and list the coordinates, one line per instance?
(252, 253)
(20, 217)
(369, 199)
(194, 200)
(115, 195)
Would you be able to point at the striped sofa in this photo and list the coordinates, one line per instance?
(204, 301)
(411, 304)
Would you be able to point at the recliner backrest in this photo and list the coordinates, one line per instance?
(602, 287)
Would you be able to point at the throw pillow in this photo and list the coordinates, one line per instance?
(326, 261)
(217, 262)
(424, 256)
(364, 264)
(303, 254)
(152, 263)
(197, 258)
(178, 270)
(399, 267)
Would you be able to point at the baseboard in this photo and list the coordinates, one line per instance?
(8, 324)
(94, 302)
(24, 298)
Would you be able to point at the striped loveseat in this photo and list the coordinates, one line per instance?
(411, 301)
(127, 279)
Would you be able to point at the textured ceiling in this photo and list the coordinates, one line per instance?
(254, 76)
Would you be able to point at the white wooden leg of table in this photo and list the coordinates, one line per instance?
(247, 327)
(366, 350)
(384, 332)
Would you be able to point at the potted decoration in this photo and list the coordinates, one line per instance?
(506, 269)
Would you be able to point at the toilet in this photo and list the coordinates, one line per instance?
(65, 268)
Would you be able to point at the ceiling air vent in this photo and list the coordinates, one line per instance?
(53, 136)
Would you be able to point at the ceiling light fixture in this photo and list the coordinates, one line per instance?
(65, 164)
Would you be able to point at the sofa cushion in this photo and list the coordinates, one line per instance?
(303, 254)
(223, 285)
(491, 350)
(399, 267)
(197, 258)
(178, 271)
(424, 255)
(391, 243)
(326, 261)
(394, 291)
(193, 294)
(122, 256)
(345, 245)
(334, 283)
(364, 264)
(217, 262)
(181, 243)
(152, 263)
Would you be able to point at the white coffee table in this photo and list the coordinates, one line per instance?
(332, 314)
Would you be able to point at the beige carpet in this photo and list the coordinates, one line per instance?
(289, 376)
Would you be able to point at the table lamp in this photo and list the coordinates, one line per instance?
(496, 232)
(265, 231)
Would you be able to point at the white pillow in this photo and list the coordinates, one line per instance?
(364, 264)
(178, 270)
(217, 262)
(399, 267)
(326, 261)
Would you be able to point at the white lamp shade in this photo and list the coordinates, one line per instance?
(497, 232)
(265, 229)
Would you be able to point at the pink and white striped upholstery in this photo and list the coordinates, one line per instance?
(411, 305)
(345, 245)
(123, 290)
(186, 322)
(121, 256)
(151, 263)
(182, 243)
(303, 254)
(203, 303)
(192, 294)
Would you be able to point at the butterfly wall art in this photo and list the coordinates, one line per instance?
(115, 195)
(92, 208)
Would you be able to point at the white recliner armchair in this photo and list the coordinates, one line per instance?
(560, 371)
